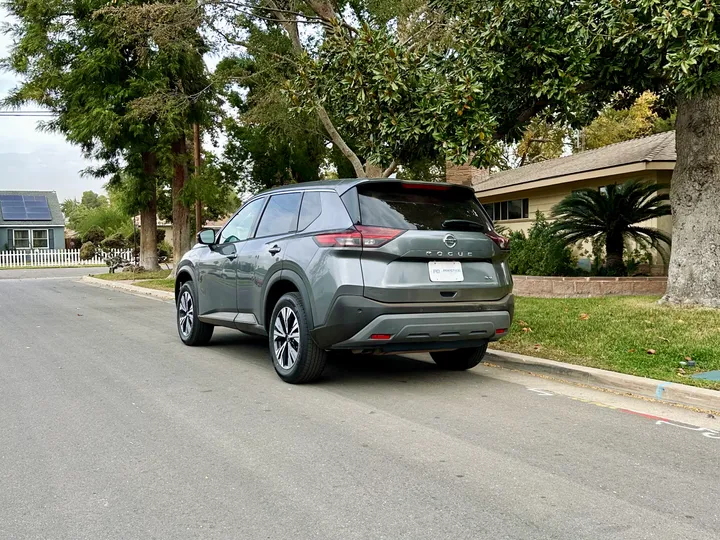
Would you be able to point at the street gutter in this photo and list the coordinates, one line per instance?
(663, 391)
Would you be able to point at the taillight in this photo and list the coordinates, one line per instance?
(502, 242)
(359, 236)
(349, 238)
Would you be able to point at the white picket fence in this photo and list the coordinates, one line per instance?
(55, 257)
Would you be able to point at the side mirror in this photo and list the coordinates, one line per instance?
(206, 236)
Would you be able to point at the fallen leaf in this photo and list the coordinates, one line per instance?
(681, 321)
(665, 339)
(688, 358)
(651, 351)
(527, 329)
(584, 316)
(79, 315)
(522, 323)
(631, 350)
(538, 347)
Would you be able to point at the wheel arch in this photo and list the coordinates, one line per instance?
(184, 275)
(282, 283)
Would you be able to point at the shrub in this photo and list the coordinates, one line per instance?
(94, 235)
(87, 251)
(164, 249)
(116, 241)
(75, 242)
(540, 253)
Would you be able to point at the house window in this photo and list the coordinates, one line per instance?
(21, 239)
(515, 209)
(40, 239)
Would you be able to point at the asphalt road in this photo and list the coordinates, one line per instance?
(110, 428)
(43, 273)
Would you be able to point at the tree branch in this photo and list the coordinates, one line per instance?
(391, 169)
(339, 142)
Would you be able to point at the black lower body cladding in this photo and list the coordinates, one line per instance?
(348, 315)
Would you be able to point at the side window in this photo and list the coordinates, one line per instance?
(310, 210)
(280, 215)
(240, 226)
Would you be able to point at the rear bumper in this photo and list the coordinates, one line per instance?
(414, 327)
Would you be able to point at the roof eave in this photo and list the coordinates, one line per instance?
(590, 174)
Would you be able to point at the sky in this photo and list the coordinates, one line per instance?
(30, 159)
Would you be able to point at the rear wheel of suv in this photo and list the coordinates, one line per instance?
(192, 331)
(296, 357)
(460, 359)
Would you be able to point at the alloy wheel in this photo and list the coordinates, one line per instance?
(185, 314)
(286, 338)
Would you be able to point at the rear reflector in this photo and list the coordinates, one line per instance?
(381, 336)
(502, 242)
(359, 236)
(501, 331)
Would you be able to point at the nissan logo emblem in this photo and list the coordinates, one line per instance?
(450, 241)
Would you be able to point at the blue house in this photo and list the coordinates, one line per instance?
(31, 220)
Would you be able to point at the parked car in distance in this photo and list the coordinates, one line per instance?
(373, 266)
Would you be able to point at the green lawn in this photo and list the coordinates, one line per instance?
(132, 276)
(159, 284)
(618, 334)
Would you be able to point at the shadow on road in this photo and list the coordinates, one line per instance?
(343, 368)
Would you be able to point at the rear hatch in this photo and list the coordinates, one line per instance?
(436, 244)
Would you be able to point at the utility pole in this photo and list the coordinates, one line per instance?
(198, 202)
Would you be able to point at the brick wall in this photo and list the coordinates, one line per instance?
(584, 287)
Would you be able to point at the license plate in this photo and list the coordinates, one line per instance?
(445, 271)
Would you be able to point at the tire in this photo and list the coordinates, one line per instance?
(460, 359)
(296, 357)
(192, 331)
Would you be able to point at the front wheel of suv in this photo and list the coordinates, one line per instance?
(192, 331)
(296, 357)
(460, 359)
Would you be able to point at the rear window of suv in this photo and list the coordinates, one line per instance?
(437, 208)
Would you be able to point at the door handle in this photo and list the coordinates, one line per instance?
(274, 250)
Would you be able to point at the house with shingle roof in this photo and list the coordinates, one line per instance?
(512, 197)
(31, 220)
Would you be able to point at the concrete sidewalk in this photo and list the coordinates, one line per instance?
(639, 386)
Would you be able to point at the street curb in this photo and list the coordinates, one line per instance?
(641, 386)
(125, 287)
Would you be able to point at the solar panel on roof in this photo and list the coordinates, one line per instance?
(25, 208)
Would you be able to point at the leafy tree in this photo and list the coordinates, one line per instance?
(58, 47)
(618, 125)
(95, 235)
(614, 218)
(542, 139)
(90, 199)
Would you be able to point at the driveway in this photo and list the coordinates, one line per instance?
(112, 429)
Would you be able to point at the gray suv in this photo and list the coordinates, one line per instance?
(371, 266)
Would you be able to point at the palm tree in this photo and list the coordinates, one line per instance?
(614, 217)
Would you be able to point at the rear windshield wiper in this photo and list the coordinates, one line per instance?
(464, 224)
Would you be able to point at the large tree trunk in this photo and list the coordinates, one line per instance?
(198, 163)
(180, 211)
(694, 275)
(148, 217)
